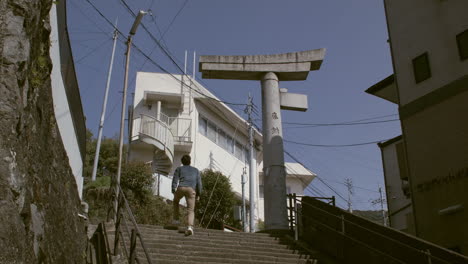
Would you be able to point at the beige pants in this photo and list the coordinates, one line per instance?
(189, 194)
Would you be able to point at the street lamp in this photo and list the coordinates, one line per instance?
(124, 103)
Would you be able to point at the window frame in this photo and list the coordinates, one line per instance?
(205, 128)
(417, 77)
(464, 34)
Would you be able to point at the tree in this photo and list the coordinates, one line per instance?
(216, 201)
(136, 181)
(108, 156)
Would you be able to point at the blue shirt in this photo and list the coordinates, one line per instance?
(187, 176)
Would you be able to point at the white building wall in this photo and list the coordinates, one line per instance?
(61, 107)
(205, 152)
(208, 154)
(293, 185)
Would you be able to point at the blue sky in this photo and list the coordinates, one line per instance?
(358, 55)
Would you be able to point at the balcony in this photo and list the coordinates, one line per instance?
(166, 134)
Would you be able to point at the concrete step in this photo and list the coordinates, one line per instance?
(221, 253)
(217, 238)
(268, 248)
(158, 258)
(204, 231)
(215, 246)
(170, 227)
(209, 235)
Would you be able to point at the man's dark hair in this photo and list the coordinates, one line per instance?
(186, 160)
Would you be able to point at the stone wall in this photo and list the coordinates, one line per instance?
(39, 203)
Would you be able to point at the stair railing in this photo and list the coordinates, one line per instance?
(132, 230)
(293, 207)
(295, 214)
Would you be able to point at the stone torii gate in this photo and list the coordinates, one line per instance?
(269, 69)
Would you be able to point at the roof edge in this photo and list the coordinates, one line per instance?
(381, 85)
(390, 141)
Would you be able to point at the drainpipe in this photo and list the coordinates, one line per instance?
(158, 109)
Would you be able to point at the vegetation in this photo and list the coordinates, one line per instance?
(216, 201)
(136, 182)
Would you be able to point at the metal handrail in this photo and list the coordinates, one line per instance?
(426, 253)
(123, 202)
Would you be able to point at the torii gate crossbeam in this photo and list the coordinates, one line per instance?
(269, 69)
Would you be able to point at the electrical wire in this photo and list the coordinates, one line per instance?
(334, 146)
(174, 18)
(307, 125)
(93, 50)
(331, 188)
(168, 55)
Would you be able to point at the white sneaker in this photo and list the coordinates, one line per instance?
(175, 222)
(189, 231)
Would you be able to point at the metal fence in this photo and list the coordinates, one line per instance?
(349, 237)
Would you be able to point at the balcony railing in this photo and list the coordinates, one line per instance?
(181, 128)
(155, 129)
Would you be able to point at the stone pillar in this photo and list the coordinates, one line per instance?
(273, 156)
(269, 69)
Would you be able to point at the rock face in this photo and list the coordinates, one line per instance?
(39, 203)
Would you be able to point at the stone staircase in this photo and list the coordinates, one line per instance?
(215, 246)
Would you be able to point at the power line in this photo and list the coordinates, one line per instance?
(307, 186)
(92, 51)
(170, 57)
(174, 18)
(306, 125)
(334, 146)
(155, 63)
(331, 188)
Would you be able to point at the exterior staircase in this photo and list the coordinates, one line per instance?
(154, 136)
(216, 246)
(162, 162)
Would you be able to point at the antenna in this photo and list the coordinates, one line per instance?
(185, 63)
(194, 65)
(349, 185)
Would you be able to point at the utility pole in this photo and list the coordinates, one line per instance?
(136, 23)
(244, 212)
(104, 105)
(251, 166)
(384, 218)
(349, 185)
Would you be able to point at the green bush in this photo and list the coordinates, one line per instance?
(136, 182)
(213, 212)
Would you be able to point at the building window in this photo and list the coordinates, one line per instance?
(211, 133)
(462, 42)
(202, 122)
(222, 139)
(421, 68)
(260, 191)
(239, 151)
(229, 144)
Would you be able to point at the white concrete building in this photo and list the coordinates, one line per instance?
(171, 119)
(66, 94)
